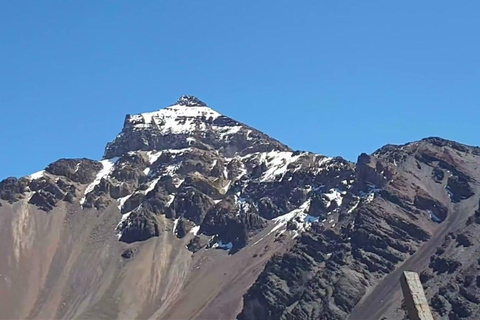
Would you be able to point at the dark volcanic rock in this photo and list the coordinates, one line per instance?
(197, 243)
(267, 209)
(438, 175)
(48, 192)
(12, 189)
(183, 228)
(425, 202)
(325, 278)
(47, 185)
(232, 223)
(192, 205)
(318, 207)
(302, 279)
(79, 170)
(455, 286)
(141, 226)
(459, 188)
(202, 184)
(442, 265)
(369, 172)
(128, 253)
(43, 200)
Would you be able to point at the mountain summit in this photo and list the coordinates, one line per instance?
(190, 101)
(192, 214)
(187, 123)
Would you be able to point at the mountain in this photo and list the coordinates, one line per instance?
(193, 215)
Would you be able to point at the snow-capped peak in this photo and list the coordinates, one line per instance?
(178, 118)
(189, 121)
(190, 101)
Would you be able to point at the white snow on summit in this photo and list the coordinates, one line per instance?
(185, 118)
(175, 119)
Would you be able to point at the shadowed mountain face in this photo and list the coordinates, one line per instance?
(192, 214)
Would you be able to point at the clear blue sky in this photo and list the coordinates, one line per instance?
(333, 77)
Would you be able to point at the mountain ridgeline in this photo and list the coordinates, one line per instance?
(193, 215)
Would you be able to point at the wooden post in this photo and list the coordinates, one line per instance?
(415, 300)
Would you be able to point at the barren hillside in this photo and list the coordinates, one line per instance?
(193, 215)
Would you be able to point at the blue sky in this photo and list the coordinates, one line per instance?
(333, 77)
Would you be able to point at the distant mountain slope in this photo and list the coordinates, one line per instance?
(192, 214)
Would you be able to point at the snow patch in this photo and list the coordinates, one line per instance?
(277, 163)
(225, 188)
(300, 212)
(171, 169)
(121, 201)
(434, 217)
(323, 164)
(355, 206)
(151, 186)
(333, 195)
(310, 219)
(170, 201)
(227, 130)
(243, 205)
(107, 168)
(214, 163)
(222, 245)
(175, 224)
(370, 195)
(177, 182)
(123, 224)
(195, 230)
(36, 175)
(177, 151)
(153, 156)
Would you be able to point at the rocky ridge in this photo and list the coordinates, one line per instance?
(192, 179)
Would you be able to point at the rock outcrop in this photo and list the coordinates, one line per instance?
(192, 214)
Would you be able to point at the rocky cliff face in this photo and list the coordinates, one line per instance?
(192, 214)
(189, 123)
(410, 197)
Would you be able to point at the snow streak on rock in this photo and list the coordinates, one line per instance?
(107, 168)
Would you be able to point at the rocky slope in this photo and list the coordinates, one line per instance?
(192, 214)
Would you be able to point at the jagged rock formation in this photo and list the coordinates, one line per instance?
(192, 214)
(397, 226)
